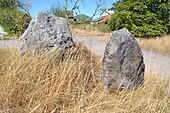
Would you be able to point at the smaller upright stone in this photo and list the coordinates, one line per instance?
(46, 33)
(123, 63)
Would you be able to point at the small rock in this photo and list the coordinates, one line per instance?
(46, 33)
(2, 33)
(123, 63)
(168, 93)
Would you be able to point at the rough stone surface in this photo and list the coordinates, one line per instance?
(46, 33)
(123, 64)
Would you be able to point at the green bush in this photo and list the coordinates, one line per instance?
(143, 18)
(12, 18)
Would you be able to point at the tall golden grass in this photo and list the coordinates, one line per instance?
(160, 44)
(74, 85)
(90, 30)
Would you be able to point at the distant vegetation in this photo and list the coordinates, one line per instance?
(144, 18)
(58, 10)
(83, 18)
(14, 16)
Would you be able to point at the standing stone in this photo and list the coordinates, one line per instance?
(123, 63)
(46, 33)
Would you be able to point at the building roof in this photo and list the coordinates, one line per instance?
(98, 19)
(102, 18)
(105, 18)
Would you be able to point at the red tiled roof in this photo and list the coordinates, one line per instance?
(105, 18)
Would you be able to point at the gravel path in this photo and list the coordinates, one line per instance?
(8, 43)
(160, 63)
(153, 61)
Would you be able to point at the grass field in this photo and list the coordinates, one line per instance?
(90, 30)
(74, 85)
(161, 44)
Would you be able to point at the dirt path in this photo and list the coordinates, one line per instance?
(8, 43)
(154, 61)
(160, 63)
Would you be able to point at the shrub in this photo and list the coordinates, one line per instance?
(143, 18)
(13, 18)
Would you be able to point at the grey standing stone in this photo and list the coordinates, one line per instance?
(46, 33)
(123, 63)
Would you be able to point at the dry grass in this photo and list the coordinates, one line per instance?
(161, 45)
(84, 32)
(104, 39)
(89, 30)
(49, 85)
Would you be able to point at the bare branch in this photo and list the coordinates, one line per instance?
(74, 6)
(66, 5)
(98, 6)
(26, 9)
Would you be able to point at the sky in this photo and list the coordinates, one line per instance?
(87, 7)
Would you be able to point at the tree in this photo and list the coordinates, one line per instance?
(143, 18)
(14, 16)
(10, 4)
(73, 8)
(58, 10)
(66, 10)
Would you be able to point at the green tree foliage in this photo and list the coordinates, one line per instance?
(142, 17)
(14, 16)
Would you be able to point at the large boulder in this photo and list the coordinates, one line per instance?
(46, 33)
(123, 63)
